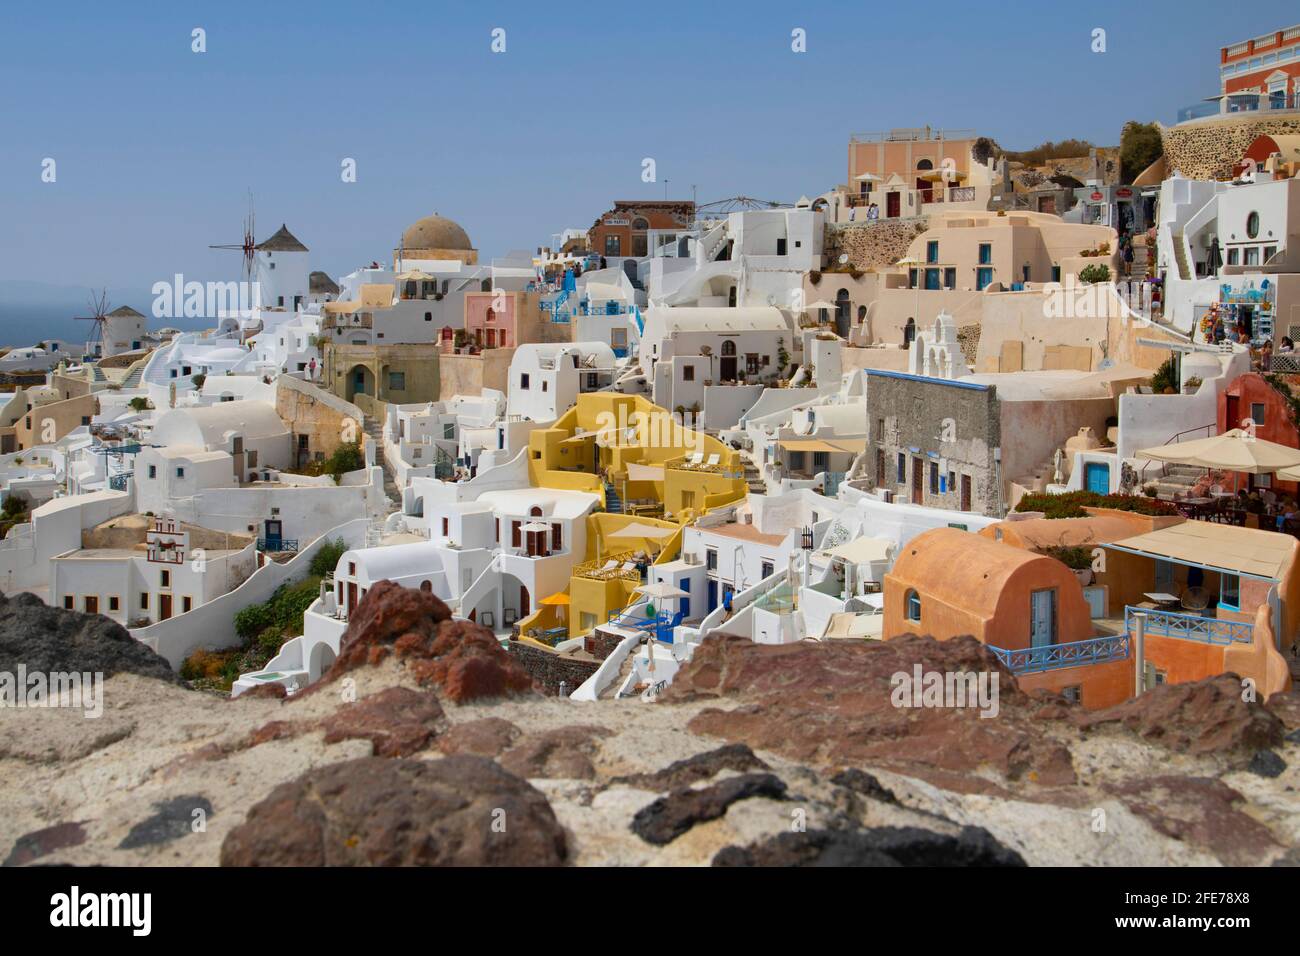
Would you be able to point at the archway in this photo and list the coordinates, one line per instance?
(361, 381)
(322, 658)
(727, 364)
(842, 307)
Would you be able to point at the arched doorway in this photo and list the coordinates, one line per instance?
(322, 658)
(361, 381)
(842, 307)
(909, 332)
(727, 364)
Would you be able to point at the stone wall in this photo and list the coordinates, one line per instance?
(600, 644)
(326, 420)
(470, 374)
(879, 243)
(1208, 149)
(549, 669)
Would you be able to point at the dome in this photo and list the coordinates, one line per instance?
(435, 232)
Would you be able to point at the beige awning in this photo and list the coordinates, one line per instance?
(639, 529)
(1232, 451)
(1223, 547)
(415, 275)
(636, 472)
(850, 445)
(863, 550)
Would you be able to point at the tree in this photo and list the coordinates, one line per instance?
(1140, 145)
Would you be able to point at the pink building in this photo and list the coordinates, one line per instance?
(492, 319)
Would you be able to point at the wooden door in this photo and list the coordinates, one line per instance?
(164, 606)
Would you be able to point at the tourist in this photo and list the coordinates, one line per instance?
(1287, 346)
(873, 212)
(1127, 256)
(1266, 356)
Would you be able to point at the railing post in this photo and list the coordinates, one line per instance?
(1139, 651)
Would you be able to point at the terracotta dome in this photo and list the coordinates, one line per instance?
(435, 232)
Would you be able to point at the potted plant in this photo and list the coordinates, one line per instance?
(1077, 558)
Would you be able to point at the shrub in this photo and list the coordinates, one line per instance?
(1072, 503)
(326, 559)
(1076, 558)
(252, 620)
(1163, 380)
(1097, 272)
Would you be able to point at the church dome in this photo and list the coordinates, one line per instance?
(435, 232)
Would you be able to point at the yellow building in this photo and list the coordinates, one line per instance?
(654, 476)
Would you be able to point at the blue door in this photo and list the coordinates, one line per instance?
(1097, 477)
(713, 594)
(273, 536)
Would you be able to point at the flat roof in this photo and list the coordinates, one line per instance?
(1220, 547)
(747, 532)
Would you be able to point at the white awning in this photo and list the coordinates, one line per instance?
(863, 550)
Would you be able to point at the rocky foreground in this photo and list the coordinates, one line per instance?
(426, 744)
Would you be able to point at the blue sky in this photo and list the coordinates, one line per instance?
(157, 146)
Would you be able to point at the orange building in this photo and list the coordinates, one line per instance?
(1208, 598)
(624, 230)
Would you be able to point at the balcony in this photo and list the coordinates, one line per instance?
(278, 545)
(1050, 657)
(622, 567)
(1191, 627)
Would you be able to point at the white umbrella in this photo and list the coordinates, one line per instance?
(1234, 450)
(638, 529)
(867, 178)
(659, 590)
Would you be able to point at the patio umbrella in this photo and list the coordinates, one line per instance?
(1232, 451)
(558, 599)
(819, 304)
(1288, 474)
(659, 591)
(639, 529)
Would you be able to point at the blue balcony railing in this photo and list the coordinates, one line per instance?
(1191, 627)
(277, 545)
(1050, 657)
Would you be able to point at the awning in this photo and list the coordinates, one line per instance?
(639, 529)
(1223, 547)
(536, 526)
(637, 472)
(558, 599)
(659, 590)
(1232, 451)
(863, 550)
(819, 304)
(851, 445)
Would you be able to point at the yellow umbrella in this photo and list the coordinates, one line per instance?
(1234, 450)
(558, 599)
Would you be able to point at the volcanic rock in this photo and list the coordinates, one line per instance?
(462, 659)
(398, 721)
(486, 737)
(171, 820)
(47, 639)
(563, 753)
(703, 766)
(880, 846)
(455, 811)
(669, 817)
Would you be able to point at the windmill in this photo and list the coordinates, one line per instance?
(249, 246)
(98, 315)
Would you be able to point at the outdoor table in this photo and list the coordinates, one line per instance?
(1162, 598)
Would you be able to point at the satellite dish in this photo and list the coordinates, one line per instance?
(844, 257)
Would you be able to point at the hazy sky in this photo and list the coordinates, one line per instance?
(156, 146)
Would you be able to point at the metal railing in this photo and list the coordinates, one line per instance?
(281, 546)
(1096, 650)
(1191, 627)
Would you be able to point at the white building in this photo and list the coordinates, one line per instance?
(546, 380)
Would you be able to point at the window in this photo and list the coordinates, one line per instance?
(913, 604)
(187, 604)
(767, 569)
(950, 278)
(67, 602)
(1257, 412)
(931, 279)
(1056, 276)
(1252, 256)
(352, 568)
(751, 363)
(545, 385)
(144, 600)
(1234, 257)
(446, 527)
(113, 602)
(523, 381)
(557, 537)
(1269, 252)
(934, 477)
(1230, 591)
(153, 471)
(711, 559)
(397, 381)
(986, 253)
(613, 246)
(688, 373)
(1252, 225)
(932, 251)
(164, 578)
(902, 468)
(821, 461)
(180, 472)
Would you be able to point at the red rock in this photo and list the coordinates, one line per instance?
(462, 659)
(830, 704)
(488, 737)
(1201, 717)
(398, 721)
(1201, 811)
(562, 753)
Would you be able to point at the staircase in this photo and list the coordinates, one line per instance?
(375, 431)
(1141, 267)
(1180, 254)
(613, 503)
(1178, 479)
(133, 377)
(753, 478)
